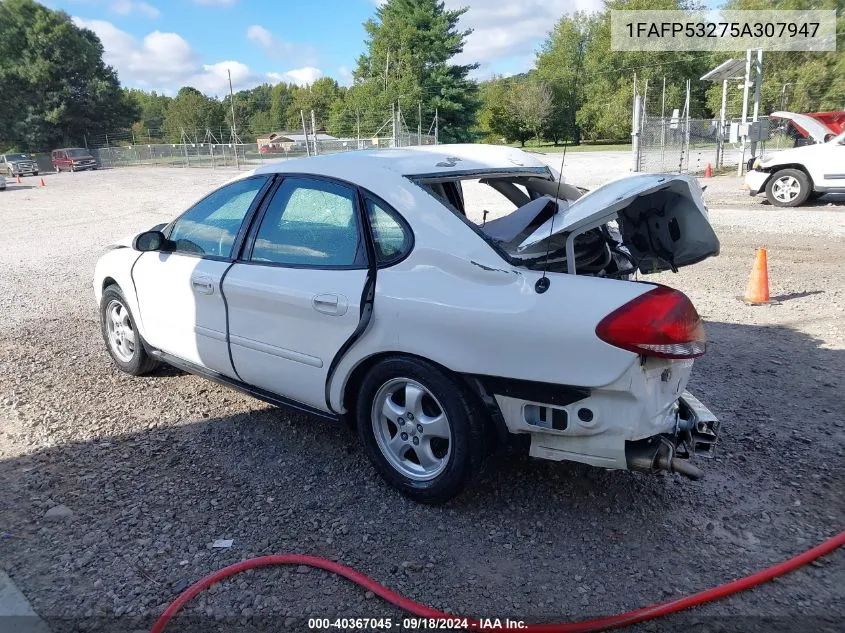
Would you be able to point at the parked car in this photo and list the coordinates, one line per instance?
(353, 286)
(72, 159)
(18, 164)
(791, 177)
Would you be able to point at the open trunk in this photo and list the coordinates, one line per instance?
(646, 223)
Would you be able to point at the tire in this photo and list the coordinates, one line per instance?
(35, 173)
(788, 188)
(125, 348)
(452, 452)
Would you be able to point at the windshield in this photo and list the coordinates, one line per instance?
(17, 157)
(78, 153)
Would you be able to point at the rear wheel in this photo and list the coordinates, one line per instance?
(123, 341)
(788, 188)
(424, 431)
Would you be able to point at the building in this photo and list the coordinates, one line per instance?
(286, 141)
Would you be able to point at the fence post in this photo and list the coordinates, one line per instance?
(636, 122)
(314, 133)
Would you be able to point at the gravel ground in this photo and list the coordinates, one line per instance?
(113, 488)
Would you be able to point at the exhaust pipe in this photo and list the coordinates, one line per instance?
(648, 457)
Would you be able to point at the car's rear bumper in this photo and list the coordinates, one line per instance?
(620, 426)
(755, 181)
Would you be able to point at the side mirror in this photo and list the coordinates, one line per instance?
(149, 241)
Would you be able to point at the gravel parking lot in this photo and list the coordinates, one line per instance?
(113, 488)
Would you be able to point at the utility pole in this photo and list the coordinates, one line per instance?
(756, 116)
(358, 125)
(234, 126)
(419, 124)
(305, 132)
(399, 120)
(436, 126)
(745, 87)
(386, 68)
(393, 118)
(663, 124)
(314, 132)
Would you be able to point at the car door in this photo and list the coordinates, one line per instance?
(294, 296)
(830, 164)
(181, 304)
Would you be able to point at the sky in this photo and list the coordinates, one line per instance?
(165, 44)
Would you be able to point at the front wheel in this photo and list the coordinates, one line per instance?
(123, 341)
(422, 429)
(788, 188)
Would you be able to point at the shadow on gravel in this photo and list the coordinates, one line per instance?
(830, 201)
(796, 295)
(530, 539)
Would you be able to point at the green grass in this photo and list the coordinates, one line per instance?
(551, 148)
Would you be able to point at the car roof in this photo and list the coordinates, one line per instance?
(427, 160)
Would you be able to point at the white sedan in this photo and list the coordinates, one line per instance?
(357, 287)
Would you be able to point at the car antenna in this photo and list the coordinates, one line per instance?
(543, 282)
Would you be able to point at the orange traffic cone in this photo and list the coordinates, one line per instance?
(757, 291)
(708, 173)
(42, 183)
(19, 179)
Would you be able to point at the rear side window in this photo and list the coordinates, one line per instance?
(390, 236)
(310, 223)
(210, 226)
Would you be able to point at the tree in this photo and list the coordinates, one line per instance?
(410, 45)
(530, 105)
(152, 108)
(319, 96)
(558, 66)
(191, 113)
(797, 81)
(280, 99)
(54, 84)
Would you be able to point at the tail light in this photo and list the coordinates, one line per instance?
(662, 323)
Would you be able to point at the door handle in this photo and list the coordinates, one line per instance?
(202, 285)
(335, 305)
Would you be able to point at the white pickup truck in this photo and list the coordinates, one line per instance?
(791, 177)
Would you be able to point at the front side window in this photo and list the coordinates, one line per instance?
(310, 222)
(390, 237)
(210, 226)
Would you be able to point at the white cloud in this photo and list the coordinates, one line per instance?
(260, 35)
(344, 76)
(505, 29)
(126, 7)
(276, 48)
(166, 62)
(299, 76)
(502, 28)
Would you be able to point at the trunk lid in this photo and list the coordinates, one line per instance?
(662, 220)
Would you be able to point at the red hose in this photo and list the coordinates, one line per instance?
(423, 611)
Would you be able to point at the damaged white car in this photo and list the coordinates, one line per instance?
(791, 177)
(354, 286)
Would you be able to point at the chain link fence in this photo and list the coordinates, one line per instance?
(212, 154)
(689, 145)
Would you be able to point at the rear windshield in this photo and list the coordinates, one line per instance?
(17, 157)
(78, 153)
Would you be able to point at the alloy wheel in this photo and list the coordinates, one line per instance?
(411, 429)
(786, 188)
(121, 335)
